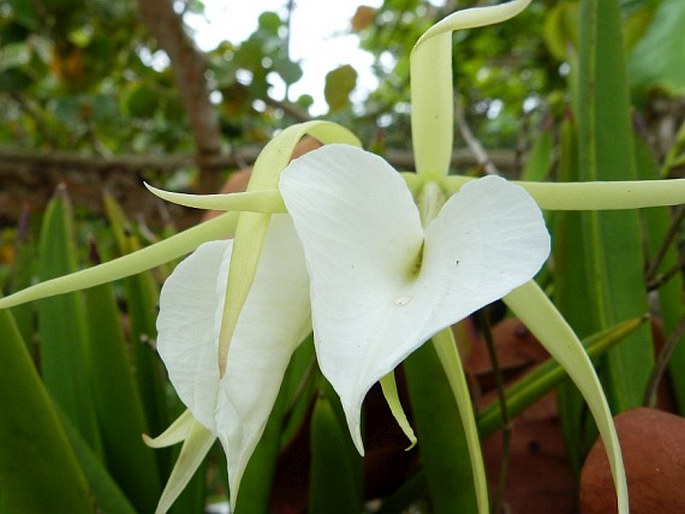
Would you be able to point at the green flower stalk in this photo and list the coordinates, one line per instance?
(374, 262)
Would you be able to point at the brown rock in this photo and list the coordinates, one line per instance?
(653, 446)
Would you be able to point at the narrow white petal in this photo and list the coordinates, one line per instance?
(362, 239)
(274, 320)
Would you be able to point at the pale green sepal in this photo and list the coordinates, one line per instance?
(266, 201)
(432, 105)
(431, 84)
(197, 444)
(252, 227)
(473, 18)
(176, 432)
(530, 304)
(445, 347)
(389, 387)
(159, 253)
(595, 195)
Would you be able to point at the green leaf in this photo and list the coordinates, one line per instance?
(333, 485)
(656, 222)
(142, 293)
(38, 470)
(106, 492)
(339, 84)
(612, 240)
(569, 286)
(541, 158)
(119, 408)
(561, 28)
(62, 325)
(657, 59)
(142, 101)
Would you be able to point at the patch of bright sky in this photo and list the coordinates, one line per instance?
(321, 39)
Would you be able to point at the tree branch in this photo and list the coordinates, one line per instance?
(189, 68)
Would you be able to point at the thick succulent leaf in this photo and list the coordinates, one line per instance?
(274, 321)
(379, 288)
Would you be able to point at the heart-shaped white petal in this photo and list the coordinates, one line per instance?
(274, 319)
(380, 284)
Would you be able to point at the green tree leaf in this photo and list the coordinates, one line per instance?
(339, 84)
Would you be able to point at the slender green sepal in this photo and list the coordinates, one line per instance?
(431, 84)
(147, 258)
(265, 202)
(440, 430)
(543, 378)
(252, 227)
(530, 304)
(389, 387)
(446, 350)
(596, 195)
(196, 444)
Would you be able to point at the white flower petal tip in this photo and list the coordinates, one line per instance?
(380, 284)
(274, 320)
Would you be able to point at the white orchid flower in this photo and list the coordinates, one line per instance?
(273, 321)
(381, 284)
(377, 264)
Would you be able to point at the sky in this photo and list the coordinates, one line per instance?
(321, 39)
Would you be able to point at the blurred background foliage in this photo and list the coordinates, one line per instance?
(93, 100)
(87, 77)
